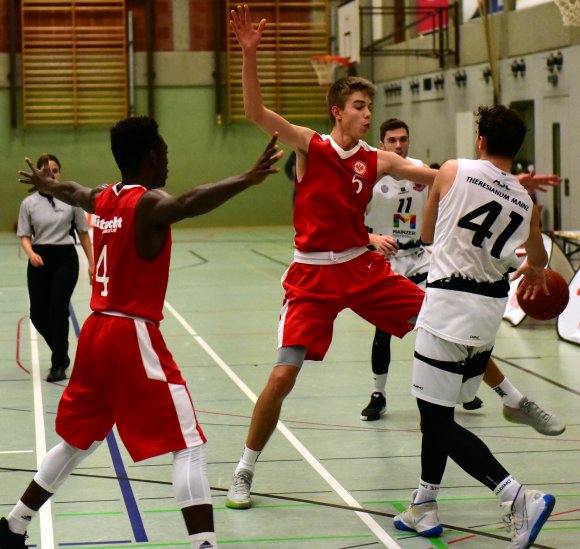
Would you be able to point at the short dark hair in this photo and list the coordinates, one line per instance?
(392, 124)
(50, 157)
(343, 88)
(503, 128)
(132, 139)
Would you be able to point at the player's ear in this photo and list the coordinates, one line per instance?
(335, 112)
(152, 157)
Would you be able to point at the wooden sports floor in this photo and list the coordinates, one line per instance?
(326, 479)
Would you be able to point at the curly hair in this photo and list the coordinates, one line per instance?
(132, 139)
(503, 129)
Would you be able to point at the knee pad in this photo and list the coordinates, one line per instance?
(59, 463)
(292, 355)
(190, 482)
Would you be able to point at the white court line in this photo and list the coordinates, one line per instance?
(45, 513)
(16, 452)
(371, 523)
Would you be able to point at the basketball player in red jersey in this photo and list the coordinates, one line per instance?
(123, 373)
(332, 268)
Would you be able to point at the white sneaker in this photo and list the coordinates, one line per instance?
(239, 493)
(421, 518)
(526, 515)
(529, 413)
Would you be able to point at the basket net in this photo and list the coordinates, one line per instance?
(326, 65)
(570, 12)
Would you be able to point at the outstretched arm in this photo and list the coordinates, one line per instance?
(157, 210)
(390, 163)
(249, 39)
(70, 192)
(531, 181)
(156, 207)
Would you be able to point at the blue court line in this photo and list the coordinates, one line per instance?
(125, 485)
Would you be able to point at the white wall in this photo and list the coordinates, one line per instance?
(432, 115)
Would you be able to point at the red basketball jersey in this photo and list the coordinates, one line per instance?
(124, 282)
(332, 196)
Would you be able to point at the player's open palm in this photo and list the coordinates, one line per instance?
(241, 23)
(264, 167)
(534, 281)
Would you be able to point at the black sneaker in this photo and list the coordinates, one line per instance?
(474, 404)
(375, 408)
(10, 540)
(55, 374)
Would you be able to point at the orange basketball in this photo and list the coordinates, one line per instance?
(545, 307)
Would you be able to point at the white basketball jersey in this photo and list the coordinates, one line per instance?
(483, 218)
(396, 208)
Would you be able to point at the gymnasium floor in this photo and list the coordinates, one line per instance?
(220, 323)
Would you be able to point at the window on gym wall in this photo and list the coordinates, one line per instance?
(74, 62)
(295, 32)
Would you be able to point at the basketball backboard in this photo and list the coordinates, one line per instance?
(349, 30)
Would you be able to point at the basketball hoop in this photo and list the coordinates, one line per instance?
(570, 12)
(326, 65)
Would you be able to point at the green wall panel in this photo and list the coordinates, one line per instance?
(199, 152)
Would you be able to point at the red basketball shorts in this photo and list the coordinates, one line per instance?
(315, 294)
(124, 374)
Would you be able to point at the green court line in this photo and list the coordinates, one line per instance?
(223, 507)
(297, 538)
(231, 541)
(131, 545)
(437, 543)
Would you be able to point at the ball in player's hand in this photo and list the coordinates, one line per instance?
(545, 307)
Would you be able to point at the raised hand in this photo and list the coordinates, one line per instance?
(42, 178)
(263, 167)
(241, 24)
(532, 181)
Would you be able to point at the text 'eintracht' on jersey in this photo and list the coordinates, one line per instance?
(124, 282)
(483, 218)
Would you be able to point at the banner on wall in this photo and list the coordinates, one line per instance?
(569, 321)
(523, 4)
(471, 8)
(432, 22)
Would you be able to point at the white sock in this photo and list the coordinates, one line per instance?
(380, 383)
(426, 492)
(248, 459)
(507, 489)
(509, 394)
(203, 540)
(20, 517)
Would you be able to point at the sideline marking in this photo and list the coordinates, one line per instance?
(45, 513)
(316, 465)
